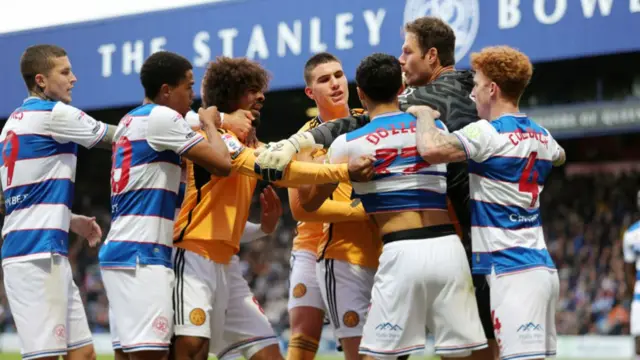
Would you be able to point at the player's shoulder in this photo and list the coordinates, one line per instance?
(160, 111)
(634, 228)
(357, 111)
(232, 141)
(225, 134)
(38, 104)
(311, 124)
(451, 85)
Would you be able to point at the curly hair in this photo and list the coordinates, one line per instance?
(226, 80)
(509, 68)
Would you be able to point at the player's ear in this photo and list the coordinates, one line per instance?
(40, 80)
(165, 91)
(493, 89)
(432, 56)
(309, 93)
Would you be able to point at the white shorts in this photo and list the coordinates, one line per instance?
(304, 289)
(140, 309)
(523, 305)
(214, 301)
(200, 296)
(346, 291)
(46, 307)
(247, 329)
(423, 284)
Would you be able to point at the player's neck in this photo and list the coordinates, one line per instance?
(147, 101)
(380, 109)
(330, 114)
(439, 71)
(502, 108)
(39, 95)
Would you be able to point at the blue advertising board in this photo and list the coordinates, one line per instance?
(281, 34)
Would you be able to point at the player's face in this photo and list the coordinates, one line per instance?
(59, 81)
(329, 87)
(482, 93)
(253, 100)
(415, 66)
(181, 95)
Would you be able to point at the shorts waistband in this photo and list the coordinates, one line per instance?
(426, 232)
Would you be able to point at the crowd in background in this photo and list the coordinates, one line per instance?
(585, 216)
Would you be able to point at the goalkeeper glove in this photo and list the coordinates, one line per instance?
(272, 162)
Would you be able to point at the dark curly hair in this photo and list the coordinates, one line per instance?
(379, 76)
(226, 80)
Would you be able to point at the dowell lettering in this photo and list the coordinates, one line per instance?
(381, 133)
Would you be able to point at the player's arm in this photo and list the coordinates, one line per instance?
(276, 156)
(338, 153)
(434, 145)
(629, 264)
(270, 213)
(329, 211)
(107, 141)
(69, 124)
(211, 154)
(559, 157)
(87, 228)
(297, 173)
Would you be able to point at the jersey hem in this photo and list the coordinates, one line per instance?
(31, 257)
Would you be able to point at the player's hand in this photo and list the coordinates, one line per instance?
(87, 228)
(240, 123)
(252, 139)
(423, 110)
(209, 117)
(361, 168)
(271, 210)
(274, 158)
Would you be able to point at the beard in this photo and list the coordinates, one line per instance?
(256, 122)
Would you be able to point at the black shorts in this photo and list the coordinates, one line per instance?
(484, 304)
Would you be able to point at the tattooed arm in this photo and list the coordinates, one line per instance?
(434, 145)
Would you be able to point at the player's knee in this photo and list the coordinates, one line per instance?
(351, 347)
(190, 348)
(120, 355)
(149, 355)
(307, 320)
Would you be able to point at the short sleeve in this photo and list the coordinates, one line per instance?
(338, 152)
(69, 124)
(554, 148)
(627, 248)
(479, 140)
(233, 144)
(168, 130)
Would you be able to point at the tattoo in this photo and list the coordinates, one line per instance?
(435, 146)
